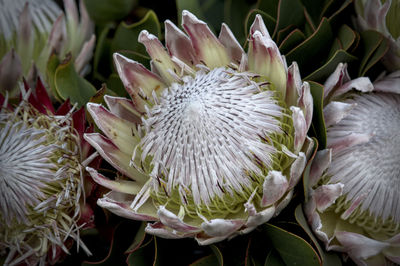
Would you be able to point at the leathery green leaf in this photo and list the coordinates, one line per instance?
(322, 73)
(269, 6)
(346, 36)
(369, 43)
(191, 5)
(328, 258)
(70, 85)
(313, 47)
(139, 238)
(289, 13)
(306, 174)
(217, 254)
(126, 36)
(292, 249)
(235, 13)
(318, 128)
(376, 55)
(291, 40)
(107, 10)
(144, 255)
(273, 259)
(52, 65)
(102, 52)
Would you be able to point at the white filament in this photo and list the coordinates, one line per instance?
(24, 168)
(42, 12)
(371, 169)
(205, 135)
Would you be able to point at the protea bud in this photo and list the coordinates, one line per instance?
(42, 206)
(214, 139)
(31, 30)
(382, 16)
(354, 204)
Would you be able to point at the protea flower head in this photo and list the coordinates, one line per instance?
(42, 164)
(32, 30)
(382, 16)
(213, 140)
(354, 204)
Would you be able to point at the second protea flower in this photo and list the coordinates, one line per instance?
(42, 179)
(213, 141)
(354, 204)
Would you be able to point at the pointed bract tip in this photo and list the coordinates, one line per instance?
(145, 36)
(189, 18)
(259, 25)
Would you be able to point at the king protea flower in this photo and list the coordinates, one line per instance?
(354, 204)
(382, 16)
(42, 160)
(213, 139)
(31, 30)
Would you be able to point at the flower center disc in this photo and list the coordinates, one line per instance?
(212, 137)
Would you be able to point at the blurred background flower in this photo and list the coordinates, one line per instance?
(382, 16)
(32, 32)
(43, 183)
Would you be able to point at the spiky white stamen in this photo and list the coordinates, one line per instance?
(24, 169)
(208, 133)
(40, 182)
(370, 169)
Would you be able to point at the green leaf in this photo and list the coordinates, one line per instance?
(375, 49)
(126, 36)
(289, 13)
(336, 45)
(210, 260)
(346, 36)
(102, 11)
(323, 72)
(52, 65)
(328, 258)
(217, 254)
(292, 249)
(115, 84)
(334, 11)
(314, 9)
(283, 33)
(306, 173)
(102, 52)
(145, 255)
(273, 259)
(139, 238)
(235, 14)
(70, 85)
(318, 124)
(292, 40)
(312, 52)
(191, 5)
(269, 6)
(115, 253)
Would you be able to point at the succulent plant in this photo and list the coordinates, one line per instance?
(213, 140)
(354, 200)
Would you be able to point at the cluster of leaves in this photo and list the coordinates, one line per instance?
(316, 34)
